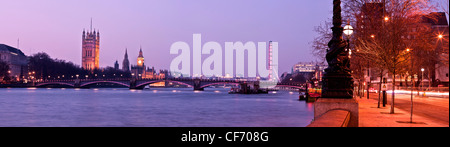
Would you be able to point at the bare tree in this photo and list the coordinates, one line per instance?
(385, 45)
(320, 43)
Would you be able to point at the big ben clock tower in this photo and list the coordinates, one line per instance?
(140, 59)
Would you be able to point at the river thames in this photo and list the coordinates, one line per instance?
(156, 107)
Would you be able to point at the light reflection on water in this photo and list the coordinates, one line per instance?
(151, 108)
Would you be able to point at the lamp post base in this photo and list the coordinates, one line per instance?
(337, 85)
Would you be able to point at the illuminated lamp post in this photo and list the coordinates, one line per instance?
(337, 80)
(348, 31)
(421, 83)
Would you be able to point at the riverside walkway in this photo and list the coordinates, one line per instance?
(428, 112)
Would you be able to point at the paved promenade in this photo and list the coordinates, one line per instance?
(428, 112)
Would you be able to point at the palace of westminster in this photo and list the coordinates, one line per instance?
(91, 58)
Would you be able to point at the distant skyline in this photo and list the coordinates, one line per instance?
(55, 26)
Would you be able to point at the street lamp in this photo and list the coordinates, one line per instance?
(339, 82)
(421, 83)
(348, 31)
(412, 84)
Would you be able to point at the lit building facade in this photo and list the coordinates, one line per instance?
(303, 72)
(439, 73)
(308, 67)
(17, 61)
(90, 50)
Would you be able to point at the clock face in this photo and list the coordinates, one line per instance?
(140, 61)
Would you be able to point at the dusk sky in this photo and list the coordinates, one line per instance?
(55, 26)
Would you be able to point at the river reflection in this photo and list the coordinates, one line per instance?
(97, 107)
